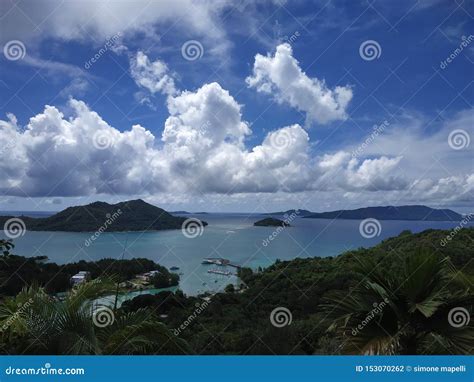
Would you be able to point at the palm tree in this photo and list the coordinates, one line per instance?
(406, 312)
(34, 323)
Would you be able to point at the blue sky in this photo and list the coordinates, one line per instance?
(308, 50)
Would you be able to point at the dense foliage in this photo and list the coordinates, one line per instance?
(416, 280)
(239, 323)
(33, 323)
(16, 272)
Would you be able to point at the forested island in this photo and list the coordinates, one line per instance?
(412, 280)
(271, 222)
(421, 213)
(132, 215)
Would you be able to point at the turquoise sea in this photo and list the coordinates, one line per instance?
(231, 236)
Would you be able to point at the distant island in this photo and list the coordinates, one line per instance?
(291, 212)
(188, 213)
(271, 222)
(132, 215)
(422, 213)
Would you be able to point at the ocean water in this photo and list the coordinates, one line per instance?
(231, 236)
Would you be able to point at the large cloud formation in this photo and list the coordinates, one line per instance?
(202, 150)
(281, 76)
(97, 21)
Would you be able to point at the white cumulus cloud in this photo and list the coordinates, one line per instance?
(281, 76)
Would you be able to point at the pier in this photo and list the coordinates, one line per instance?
(219, 261)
